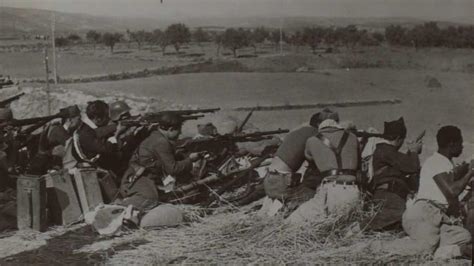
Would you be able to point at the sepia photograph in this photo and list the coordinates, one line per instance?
(236, 132)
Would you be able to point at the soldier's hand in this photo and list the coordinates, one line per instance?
(195, 156)
(471, 169)
(415, 147)
(120, 129)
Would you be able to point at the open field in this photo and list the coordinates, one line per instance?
(83, 60)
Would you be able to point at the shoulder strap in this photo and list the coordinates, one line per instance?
(336, 150)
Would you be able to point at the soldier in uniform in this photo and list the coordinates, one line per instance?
(130, 138)
(11, 151)
(335, 152)
(396, 174)
(289, 158)
(154, 164)
(88, 145)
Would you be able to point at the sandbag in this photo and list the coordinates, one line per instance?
(163, 215)
(109, 220)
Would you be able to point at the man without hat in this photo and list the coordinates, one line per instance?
(430, 220)
(281, 181)
(154, 165)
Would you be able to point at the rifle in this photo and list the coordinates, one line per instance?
(152, 120)
(247, 118)
(216, 177)
(365, 134)
(63, 113)
(182, 113)
(204, 144)
(6, 102)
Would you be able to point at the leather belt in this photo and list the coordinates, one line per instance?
(339, 182)
(335, 172)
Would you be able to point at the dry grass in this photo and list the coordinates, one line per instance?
(239, 236)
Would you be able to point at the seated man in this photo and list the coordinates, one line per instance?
(395, 175)
(335, 153)
(154, 164)
(289, 158)
(428, 221)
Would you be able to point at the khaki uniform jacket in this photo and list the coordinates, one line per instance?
(157, 154)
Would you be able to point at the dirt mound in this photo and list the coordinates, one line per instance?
(432, 82)
(35, 102)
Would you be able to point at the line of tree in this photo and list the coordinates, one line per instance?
(431, 35)
(177, 35)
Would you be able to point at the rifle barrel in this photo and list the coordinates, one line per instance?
(190, 112)
(247, 118)
(30, 121)
(191, 117)
(7, 101)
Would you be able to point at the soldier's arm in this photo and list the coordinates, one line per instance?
(165, 153)
(90, 143)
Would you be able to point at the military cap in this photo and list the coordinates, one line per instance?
(394, 129)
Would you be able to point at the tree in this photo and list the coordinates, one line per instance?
(74, 38)
(201, 36)
(257, 36)
(350, 36)
(61, 42)
(139, 37)
(395, 34)
(329, 36)
(93, 37)
(313, 37)
(177, 35)
(379, 37)
(110, 39)
(296, 39)
(159, 37)
(276, 37)
(235, 39)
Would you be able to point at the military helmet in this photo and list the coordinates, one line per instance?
(6, 114)
(117, 109)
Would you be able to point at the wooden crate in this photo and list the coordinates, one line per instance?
(31, 203)
(63, 201)
(88, 188)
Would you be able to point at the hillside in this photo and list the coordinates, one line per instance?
(19, 21)
(15, 22)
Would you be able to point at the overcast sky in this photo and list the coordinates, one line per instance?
(427, 9)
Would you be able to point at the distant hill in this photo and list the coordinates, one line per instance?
(19, 21)
(16, 22)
